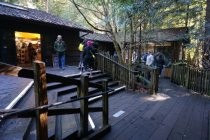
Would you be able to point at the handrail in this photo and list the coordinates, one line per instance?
(147, 67)
(14, 113)
(128, 75)
(41, 112)
(117, 63)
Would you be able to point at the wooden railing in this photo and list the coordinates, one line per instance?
(42, 109)
(128, 75)
(192, 78)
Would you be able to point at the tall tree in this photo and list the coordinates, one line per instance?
(206, 49)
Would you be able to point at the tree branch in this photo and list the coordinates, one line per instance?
(75, 4)
(91, 9)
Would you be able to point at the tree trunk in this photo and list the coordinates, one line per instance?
(131, 41)
(206, 49)
(187, 15)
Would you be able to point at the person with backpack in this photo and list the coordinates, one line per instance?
(159, 61)
(89, 56)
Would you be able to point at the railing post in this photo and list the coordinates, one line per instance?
(133, 81)
(154, 80)
(84, 106)
(105, 103)
(40, 89)
(187, 77)
(208, 78)
(113, 71)
(103, 63)
(157, 73)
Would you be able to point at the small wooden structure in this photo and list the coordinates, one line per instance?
(169, 41)
(16, 18)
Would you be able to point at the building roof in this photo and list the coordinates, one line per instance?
(160, 35)
(38, 16)
(170, 34)
(96, 37)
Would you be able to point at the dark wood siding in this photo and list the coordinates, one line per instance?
(48, 36)
(7, 46)
(107, 47)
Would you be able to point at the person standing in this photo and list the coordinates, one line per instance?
(134, 56)
(115, 56)
(81, 49)
(159, 61)
(60, 48)
(150, 59)
(89, 56)
(149, 62)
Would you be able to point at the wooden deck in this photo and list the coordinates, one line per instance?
(174, 114)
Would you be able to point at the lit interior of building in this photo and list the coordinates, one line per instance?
(28, 48)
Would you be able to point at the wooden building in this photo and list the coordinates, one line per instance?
(102, 41)
(170, 42)
(20, 26)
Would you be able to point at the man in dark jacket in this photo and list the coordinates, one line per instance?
(60, 48)
(159, 61)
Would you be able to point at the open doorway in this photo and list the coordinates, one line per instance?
(28, 48)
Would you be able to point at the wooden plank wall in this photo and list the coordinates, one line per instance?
(48, 36)
(192, 78)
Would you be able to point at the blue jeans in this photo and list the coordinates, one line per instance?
(81, 60)
(61, 60)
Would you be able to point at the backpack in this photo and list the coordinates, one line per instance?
(159, 60)
(81, 47)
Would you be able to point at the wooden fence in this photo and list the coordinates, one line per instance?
(192, 78)
(128, 75)
(43, 110)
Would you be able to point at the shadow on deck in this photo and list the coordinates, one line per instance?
(174, 113)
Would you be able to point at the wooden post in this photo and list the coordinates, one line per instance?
(172, 73)
(133, 81)
(154, 80)
(113, 71)
(187, 78)
(105, 103)
(84, 107)
(103, 63)
(128, 79)
(208, 78)
(40, 99)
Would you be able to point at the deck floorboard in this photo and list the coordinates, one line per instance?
(174, 114)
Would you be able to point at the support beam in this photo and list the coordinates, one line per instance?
(40, 88)
(83, 107)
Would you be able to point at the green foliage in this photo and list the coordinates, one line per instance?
(10, 1)
(123, 18)
(119, 14)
